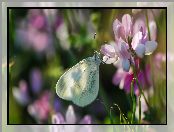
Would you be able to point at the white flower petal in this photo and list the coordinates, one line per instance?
(140, 50)
(153, 30)
(126, 65)
(70, 115)
(127, 23)
(57, 119)
(136, 39)
(150, 46)
(108, 50)
(109, 60)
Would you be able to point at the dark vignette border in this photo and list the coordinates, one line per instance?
(8, 33)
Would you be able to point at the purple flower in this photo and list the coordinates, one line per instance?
(39, 41)
(57, 104)
(21, 94)
(110, 52)
(70, 118)
(128, 46)
(141, 45)
(33, 32)
(38, 21)
(124, 79)
(40, 108)
(140, 42)
(36, 80)
(123, 29)
(118, 51)
(159, 59)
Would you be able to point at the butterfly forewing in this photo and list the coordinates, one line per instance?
(80, 84)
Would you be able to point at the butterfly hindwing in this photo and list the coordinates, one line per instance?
(89, 85)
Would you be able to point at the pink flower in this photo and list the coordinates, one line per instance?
(40, 108)
(70, 118)
(141, 46)
(36, 19)
(159, 59)
(124, 79)
(128, 46)
(140, 42)
(21, 94)
(117, 51)
(123, 29)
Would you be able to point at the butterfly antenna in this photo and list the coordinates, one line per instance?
(95, 52)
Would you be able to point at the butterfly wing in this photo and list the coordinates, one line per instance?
(80, 84)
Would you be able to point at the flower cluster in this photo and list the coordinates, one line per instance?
(133, 40)
(128, 44)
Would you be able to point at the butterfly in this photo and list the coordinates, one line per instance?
(80, 84)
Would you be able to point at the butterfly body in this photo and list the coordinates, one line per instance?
(80, 84)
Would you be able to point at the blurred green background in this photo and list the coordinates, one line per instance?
(47, 42)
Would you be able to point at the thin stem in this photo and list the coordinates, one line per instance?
(147, 23)
(122, 116)
(133, 101)
(139, 102)
(141, 90)
(139, 86)
(110, 112)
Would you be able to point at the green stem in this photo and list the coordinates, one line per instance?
(133, 101)
(147, 23)
(139, 102)
(122, 116)
(139, 86)
(141, 90)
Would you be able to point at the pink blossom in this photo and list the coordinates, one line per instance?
(40, 108)
(36, 19)
(125, 78)
(128, 46)
(117, 51)
(70, 117)
(21, 94)
(123, 29)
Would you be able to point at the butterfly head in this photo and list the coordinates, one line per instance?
(97, 57)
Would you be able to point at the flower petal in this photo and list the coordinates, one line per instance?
(150, 46)
(140, 50)
(118, 30)
(153, 30)
(58, 119)
(127, 82)
(136, 39)
(70, 116)
(127, 23)
(123, 50)
(21, 97)
(126, 65)
(108, 50)
(118, 76)
(139, 25)
(109, 60)
(86, 120)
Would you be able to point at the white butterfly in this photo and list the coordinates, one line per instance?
(80, 84)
